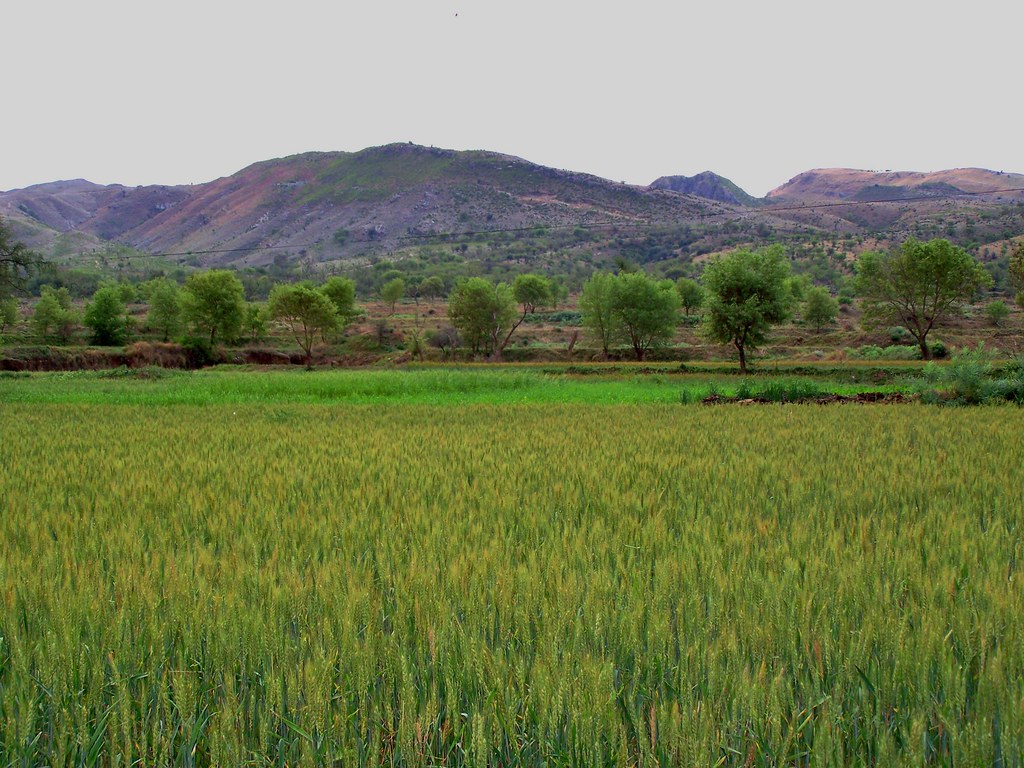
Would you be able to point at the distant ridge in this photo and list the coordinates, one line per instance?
(850, 184)
(708, 185)
(345, 203)
(391, 200)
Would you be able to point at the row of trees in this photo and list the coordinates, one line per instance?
(746, 293)
(210, 306)
(741, 297)
(487, 314)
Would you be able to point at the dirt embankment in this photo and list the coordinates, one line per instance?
(163, 355)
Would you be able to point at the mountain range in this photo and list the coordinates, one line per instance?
(338, 206)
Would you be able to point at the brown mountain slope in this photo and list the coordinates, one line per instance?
(337, 204)
(849, 184)
(329, 206)
(78, 205)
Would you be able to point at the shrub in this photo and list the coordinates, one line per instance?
(789, 390)
(997, 312)
(899, 335)
(894, 352)
(200, 352)
(970, 380)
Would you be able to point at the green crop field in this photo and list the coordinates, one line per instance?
(428, 386)
(296, 579)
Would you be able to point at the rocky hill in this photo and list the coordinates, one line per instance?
(708, 185)
(393, 202)
(867, 186)
(336, 205)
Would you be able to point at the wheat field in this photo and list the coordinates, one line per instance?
(511, 585)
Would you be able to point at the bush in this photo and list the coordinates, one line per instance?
(970, 380)
(899, 335)
(562, 317)
(789, 390)
(997, 312)
(894, 352)
(199, 352)
(938, 350)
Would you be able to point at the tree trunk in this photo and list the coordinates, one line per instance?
(926, 354)
(499, 347)
(743, 358)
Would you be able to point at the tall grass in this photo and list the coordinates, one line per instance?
(542, 585)
(430, 386)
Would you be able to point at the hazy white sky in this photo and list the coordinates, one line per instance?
(139, 92)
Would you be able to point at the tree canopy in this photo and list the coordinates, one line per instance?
(918, 286)
(342, 292)
(746, 294)
(819, 308)
(164, 314)
(691, 295)
(53, 316)
(531, 291)
(307, 312)
(645, 310)
(1017, 272)
(392, 291)
(596, 308)
(629, 307)
(17, 262)
(105, 316)
(432, 287)
(8, 313)
(482, 312)
(214, 302)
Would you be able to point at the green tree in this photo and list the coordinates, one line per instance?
(531, 291)
(691, 295)
(918, 286)
(559, 293)
(306, 311)
(1017, 272)
(255, 323)
(646, 310)
(392, 291)
(819, 309)
(997, 312)
(342, 293)
(8, 313)
(596, 307)
(17, 262)
(432, 287)
(444, 339)
(128, 292)
(746, 294)
(52, 316)
(105, 315)
(213, 303)
(798, 286)
(164, 301)
(482, 312)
